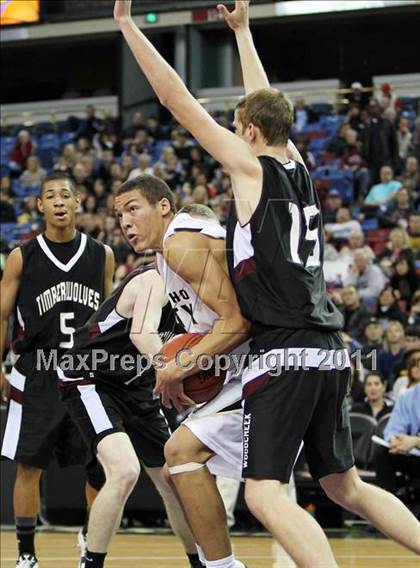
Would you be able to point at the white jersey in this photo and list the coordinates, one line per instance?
(195, 316)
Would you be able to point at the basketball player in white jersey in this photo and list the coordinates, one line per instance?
(192, 262)
(256, 157)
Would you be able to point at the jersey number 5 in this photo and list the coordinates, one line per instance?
(66, 330)
(309, 212)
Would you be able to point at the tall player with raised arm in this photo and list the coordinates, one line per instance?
(275, 263)
(53, 283)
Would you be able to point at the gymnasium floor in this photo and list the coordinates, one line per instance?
(58, 550)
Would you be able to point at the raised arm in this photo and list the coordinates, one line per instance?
(232, 152)
(253, 72)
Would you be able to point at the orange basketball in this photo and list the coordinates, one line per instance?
(202, 386)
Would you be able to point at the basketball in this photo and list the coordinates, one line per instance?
(202, 386)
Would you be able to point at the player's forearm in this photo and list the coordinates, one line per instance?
(162, 77)
(147, 342)
(254, 75)
(222, 340)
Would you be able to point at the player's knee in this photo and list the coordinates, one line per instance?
(342, 488)
(177, 453)
(125, 475)
(254, 502)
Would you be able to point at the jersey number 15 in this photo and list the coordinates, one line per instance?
(309, 212)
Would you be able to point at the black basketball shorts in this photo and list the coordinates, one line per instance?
(38, 427)
(300, 404)
(100, 409)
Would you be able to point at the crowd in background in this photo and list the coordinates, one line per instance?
(372, 252)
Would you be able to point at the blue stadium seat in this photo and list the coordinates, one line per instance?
(48, 141)
(67, 137)
(369, 224)
(47, 156)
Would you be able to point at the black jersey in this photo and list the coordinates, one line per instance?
(55, 296)
(103, 351)
(275, 260)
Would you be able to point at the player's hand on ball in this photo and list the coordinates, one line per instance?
(122, 11)
(239, 17)
(170, 388)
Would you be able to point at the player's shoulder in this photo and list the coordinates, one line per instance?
(14, 262)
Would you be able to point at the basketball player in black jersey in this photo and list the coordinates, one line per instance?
(110, 398)
(53, 283)
(275, 263)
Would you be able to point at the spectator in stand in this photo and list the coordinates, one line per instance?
(99, 191)
(403, 435)
(108, 141)
(144, 167)
(356, 241)
(302, 144)
(338, 144)
(127, 166)
(414, 313)
(130, 132)
(387, 99)
(392, 353)
(410, 376)
(372, 343)
(397, 245)
(404, 138)
(388, 308)
(90, 205)
(30, 212)
(411, 176)
(200, 195)
(154, 129)
(357, 96)
(142, 142)
(344, 225)
(414, 234)
(24, 148)
(355, 313)
(81, 176)
(197, 158)
(367, 278)
(382, 193)
(173, 174)
(352, 160)
(405, 281)
(85, 148)
(7, 211)
(91, 125)
(332, 204)
(354, 118)
(301, 115)
(375, 403)
(34, 174)
(379, 141)
(397, 211)
(69, 155)
(181, 143)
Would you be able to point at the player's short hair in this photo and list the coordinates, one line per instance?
(199, 210)
(58, 176)
(152, 188)
(271, 111)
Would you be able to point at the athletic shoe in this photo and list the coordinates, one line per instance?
(82, 544)
(27, 561)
